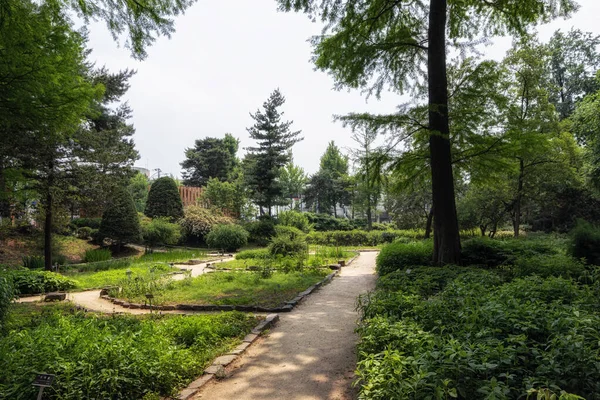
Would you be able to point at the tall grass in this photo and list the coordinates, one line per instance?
(96, 255)
(173, 256)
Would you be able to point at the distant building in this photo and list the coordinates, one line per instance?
(142, 170)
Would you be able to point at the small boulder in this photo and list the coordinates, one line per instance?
(55, 296)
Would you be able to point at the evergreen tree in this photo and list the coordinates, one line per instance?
(120, 221)
(274, 142)
(164, 200)
(210, 158)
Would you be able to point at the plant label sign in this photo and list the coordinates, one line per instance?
(43, 380)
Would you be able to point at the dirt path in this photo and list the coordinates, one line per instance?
(310, 354)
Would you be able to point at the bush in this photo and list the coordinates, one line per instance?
(33, 262)
(93, 223)
(324, 222)
(7, 294)
(120, 221)
(289, 231)
(252, 254)
(160, 231)
(361, 238)
(585, 242)
(288, 246)
(296, 219)
(96, 255)
(261, 231)
(227, 237)
(85, 232)
(164, 200)
(198, 221)
(399, 256)
(26, 282)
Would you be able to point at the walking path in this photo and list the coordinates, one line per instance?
(310, 354)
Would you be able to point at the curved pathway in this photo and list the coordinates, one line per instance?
(310, 354)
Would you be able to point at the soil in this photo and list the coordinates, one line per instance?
(310, 354)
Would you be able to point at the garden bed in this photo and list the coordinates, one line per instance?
(116, 357)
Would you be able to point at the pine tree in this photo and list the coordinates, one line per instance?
(274, 142)
(164, 200)
(120, 221)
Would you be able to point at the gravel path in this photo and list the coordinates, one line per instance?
(310, 354)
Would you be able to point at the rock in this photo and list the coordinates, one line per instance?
(215, 370)
(342, 263)
(198, 383)
(250, 338)
(187, 393)
(55, 296)
(334, 266)
(224, 360)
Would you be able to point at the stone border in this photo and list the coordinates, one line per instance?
(217, 367)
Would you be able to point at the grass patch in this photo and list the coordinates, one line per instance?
(91, 280)
(116, 357)
(232, 288)
(174, 256)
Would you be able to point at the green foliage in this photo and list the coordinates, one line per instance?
(261, 231)
(7, 294)
(138, 188)
(114, 276)
(160, 231)
(399, 256)
(33, 262)
(172, 256)
(324, 222)
(288, 245)
(120, 221)
(296, 219)
(210, 158)
(198, 221)
(228, 196)
(93, 223)
(252, 254)
(145, 356)
(585, 242)
(227, 237)
(361, 238)
(115, 263)
(85, 232)
(27, 282)
(492, 253)
(164, 200)
(97, 255)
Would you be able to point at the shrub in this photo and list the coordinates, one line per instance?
(85, 232)
(324, 222)
(120, 221)
(296, 219)
(93, 223)
(33, 262)
(160, 231)
(585, 242)
(198, 221)
(7, 294)
(164, 200)
(545, 265)
(361, 238)
(398, 256)
(289, 231)
(287, 246)
(484, 252)
(96, 255)
(27, 282)
(227, 237)
(251, 254)
(261, 231)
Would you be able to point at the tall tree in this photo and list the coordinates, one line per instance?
(274, 142)
(210, 158)
(573, 66)
(368, 176)
(293, 181)
(397, 43)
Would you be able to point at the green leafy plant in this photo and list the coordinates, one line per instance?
(164, 200)
(97, 255)
(160, 231)
(295, 219)
(199, 221)
(33, 262)
(585, 242)
(397, 256)
(227, 237)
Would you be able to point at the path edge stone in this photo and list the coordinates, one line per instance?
(218, 365)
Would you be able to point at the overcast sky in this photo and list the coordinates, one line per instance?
(224, 60)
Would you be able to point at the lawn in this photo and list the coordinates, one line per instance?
(225, 288)
(116, 357)
(91, 280)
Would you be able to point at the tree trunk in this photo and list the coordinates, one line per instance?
(445, 221)
(428, 224)
(48, 220)
(4, 198)
(517, 209)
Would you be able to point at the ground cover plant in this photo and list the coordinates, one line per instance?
(116, 357)
(224, 288)
(27, 282)
(111, 277)
(485, 331)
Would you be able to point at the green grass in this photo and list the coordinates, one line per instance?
(116, 357)
(91, 280)
(174, 256)
(232, 288)
(314, 260)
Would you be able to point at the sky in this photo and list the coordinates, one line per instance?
(225, 59)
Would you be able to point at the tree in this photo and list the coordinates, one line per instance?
(164, 200)
(274, 142)
(573, 66)
(210, 158)
(138, 188)
(228, 196)
(334, 161)
(120, 220)
(397, 43)
(368, 176)
(293, 181)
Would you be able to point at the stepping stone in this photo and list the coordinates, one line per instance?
(200, 381)
(215, 370)
(225, 360)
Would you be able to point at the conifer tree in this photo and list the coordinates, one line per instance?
(120, 221)
(274, 142)
(164, 200)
